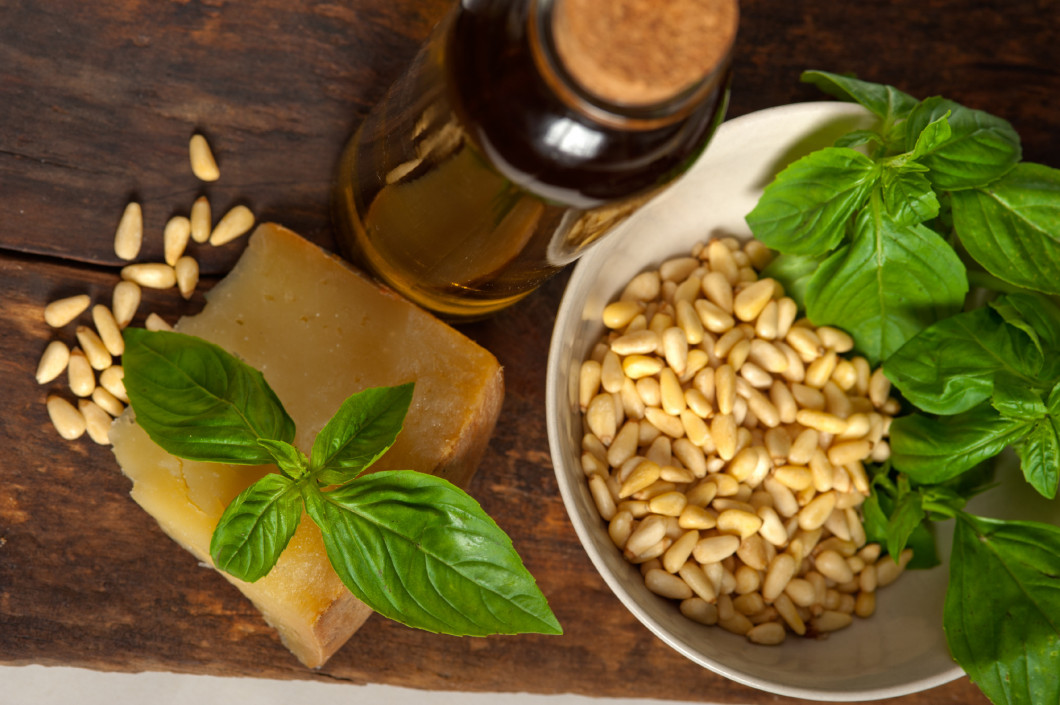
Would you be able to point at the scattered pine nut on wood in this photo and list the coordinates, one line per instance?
(107, 401)
(201, 220)
(152, 275)
(130, 233)
(79, 373)
(108, 329)
(175, 238)
(68, 421)
(203, 164)
(111, 379)
(53, 361)
(61, 311)
(124, 302)
(186, 270)
(232, 225)
(96, 352)
(97, 421)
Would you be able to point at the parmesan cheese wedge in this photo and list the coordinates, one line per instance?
(319, 331)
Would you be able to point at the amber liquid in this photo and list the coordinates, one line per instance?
(473, 182)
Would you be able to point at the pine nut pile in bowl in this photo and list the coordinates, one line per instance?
(709, 442)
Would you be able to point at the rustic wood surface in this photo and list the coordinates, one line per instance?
(97, 101)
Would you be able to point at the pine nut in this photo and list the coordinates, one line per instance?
(232, 225)
(815, 513)
(675, 349)
(738, 354)
(879, 388)
(601, 418)
(833, 566)
(820, 370)
(865, 604)
(887, 571)
(766, 323)
(822, 471)
(781, 571)
(677, 555)
(718, 290)
(845, 375)
(749, 603)
(750, 300)
(699, 610)
(620, 528)
(768, 356)
(108, 331)
(187, 273)
(662, 583)
(643, 475)
(152, 275)
(643, 287)
(743, 523)
(696, 517)
(677, 269)
(605, 504)
(107, 401)
(830, 621)
(805, 342)
(588, 383)
(632, 404)
(720, 258)
(154, 322)
(833, 338)
(130, 233)
(787, 310)
(175, 238)
(640, 342)
(801, 592)
(68, 421)
(714, 549)
(96, 352)
(667, 424)
(821, 421)
(726, 342)
(111, 379)
(79, 373)
(847, 452)
(203, 164)
(619, 313)
(736, 624)
(686, 290)
(124, 302)
(713, 318)
(97, 421)
(53, 361)
(723, 434)
(200, 222)
(704, 493)
(650, 531)
(61, 311)
(637, 366)
(786, 608)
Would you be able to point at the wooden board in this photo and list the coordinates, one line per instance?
(97, 101)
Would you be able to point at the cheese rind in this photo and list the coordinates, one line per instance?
(318, 331)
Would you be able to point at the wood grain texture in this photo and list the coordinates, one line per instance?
(97, 101)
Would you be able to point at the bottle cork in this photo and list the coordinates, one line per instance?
(642, 52)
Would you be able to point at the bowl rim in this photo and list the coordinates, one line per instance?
(569, 482)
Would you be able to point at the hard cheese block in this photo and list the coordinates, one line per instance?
(318, 331)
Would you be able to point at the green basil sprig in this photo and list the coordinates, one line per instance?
(882, 234)
(412, 546)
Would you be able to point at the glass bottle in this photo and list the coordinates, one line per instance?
(522, 132)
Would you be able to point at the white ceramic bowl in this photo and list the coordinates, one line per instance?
(902, 648)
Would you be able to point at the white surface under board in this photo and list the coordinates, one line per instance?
(40, 685)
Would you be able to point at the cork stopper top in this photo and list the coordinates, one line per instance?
(642, 52)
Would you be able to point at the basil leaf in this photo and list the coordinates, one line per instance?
(199, 402)
(1002, 609)
(1012, 226)
(1039, 454)
(934, 135)
(255, 528)
(950, 366)
(907, 515)
(932, 450)
(1016, 401)
(908, 197)
(857, 138)
(793, 272)
(291, 461)
(885, 101)
(420, 551)
(887, 285)
(1053, 402)
(807, 208)
(360, 432)
(981, 147)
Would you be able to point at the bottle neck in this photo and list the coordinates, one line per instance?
(633, 64)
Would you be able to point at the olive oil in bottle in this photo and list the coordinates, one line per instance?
(523, 131)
